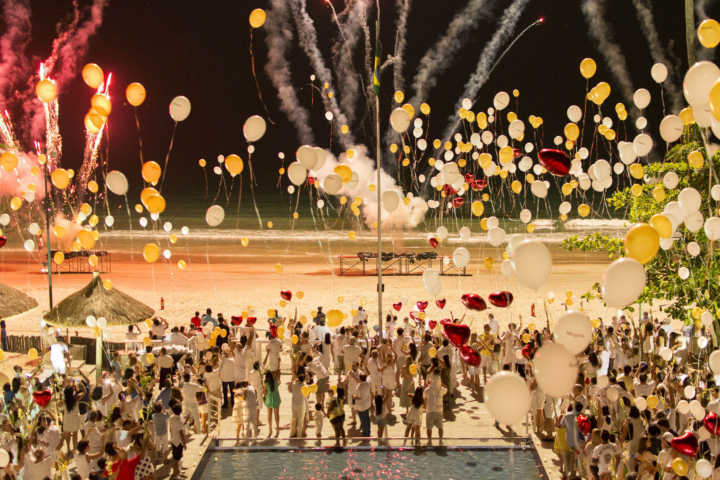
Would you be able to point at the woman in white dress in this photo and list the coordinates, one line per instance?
(72, 393)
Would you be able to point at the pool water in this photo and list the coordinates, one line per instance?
(446, 464)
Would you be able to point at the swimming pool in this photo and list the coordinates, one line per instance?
(373, 463)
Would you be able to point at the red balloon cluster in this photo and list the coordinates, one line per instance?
(286, 295)
(458, 202)
(473, 301)
(236, 320)
(501, 299)
(686, 444)
(584, 423)
(478, 184)
(458, 334)
(555, 161)
(469, 355)
(251, 321)
(432, 324)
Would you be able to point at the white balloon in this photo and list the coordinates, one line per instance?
(693, 249)
(214, 215)
(643, 144)
(143, 222)
(539, 189)
(492, 222)
(179, 108)
(321, 156)
(555, 370)
(671, 180)
(689, 393)
(390, 200)
(332, 184)
(683, 273)
(574, 113)
(400, 120)
(698, 82)
(627, 152)
(102, 323)
(254, 128)
(703, 468)
(715, 192)
(496, 236)
(683, 407)
(671, 128)
(109, 221)
(641, 123)
(4, 458)
(507, 268)
(298, 174)
(431, 280)
(714, 362)
(659, 72)
(707, 318)
(712, 228)
(641, 98)
(565, 208)
(29, 245)
(507, 398)
(116, 182)
(618, 168)
(465, 233)
(640, 403)
(501, 100)
(665, 353)
(702, 342)
(694, 221)
(306, 156)
(90, 321)
(574, 331)
(442, 233)
(623, 282)
(525, 164)
(525, 215)
(690, 200)
(461, 257)
(703, 116)
(533, 263)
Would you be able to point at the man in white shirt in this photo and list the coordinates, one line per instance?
(177, 434)
(361, 316)
(176, 338)
(433, 396)
(190, 391)
(37, 465)
(338, 345)
(251, 410)
(58, 355)
(363, 402)
(272, 357)
(603, 454)
(493, 324)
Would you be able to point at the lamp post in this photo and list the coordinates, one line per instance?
(378, 167)
(47, 230)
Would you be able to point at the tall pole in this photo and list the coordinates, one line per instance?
(378, 190)
(690, 31)
(47, 226)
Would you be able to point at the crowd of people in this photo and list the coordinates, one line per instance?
(631, 403)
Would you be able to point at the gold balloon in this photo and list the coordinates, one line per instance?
(155, 204)
(85, 209)
(413, 369)
(696, 159)
(93, 260)
(587, 67)
(506, 154)
(151, 252)
(182, 265)
(16, 203)
(425, 108)
(93, 75)
(652, 401)
(294, 339)
(9, 161)
(571, 131)
(687, 116)
(92, 186)
(636, 170)
(46, 90)
(101, 104)
(334, 318)
(478, 208)
(583, 209)
(709, 33)
(135, 94)
(636, 190)
(145, 194)
(409, 109)
(345, 172)
(257, 18)
(33, 353)
(432, 352)
(714, 100)
(642, 243)
(107, 283)
(94, 121)
(151, 172)
(234, 164)
(680, 466)
(60, 178)
(662, 224)
(86, 239)
(658, 193)
(59, 258)
(399, 96)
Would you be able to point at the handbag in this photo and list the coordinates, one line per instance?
(144, 469)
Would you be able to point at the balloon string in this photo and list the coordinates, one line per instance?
(240, 185)
(139, 137)
(257, 83)
(127, 206)
(206, 182)
(252, 191)
(167, 155)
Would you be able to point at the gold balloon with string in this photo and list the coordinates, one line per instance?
(151, 252)
(234, 164)
(257, 18)
(92, 75)
(155, 204)
(662, 225)
(151, 172)
(642, 243)
(101, 104)
(583, 209)
(86, 239)
(708, 33)
(135, 94)
(46, 90)
(587, 67)
(60, 178)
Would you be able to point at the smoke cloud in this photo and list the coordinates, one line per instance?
(400, 44)
(14, 65)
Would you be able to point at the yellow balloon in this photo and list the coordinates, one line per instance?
(149, 358)
(425, 108)
(9, 161)
(173, 238)
(680, 466)
(602, 91)
(257, 18)
(135, 94)
(182, 265)
(399, 96)
(334, 318)
(636, 170)
(525, 337)
(33, 353)
(662, 224)
(571, 131)
(636, 190)
(658, 193)
(345, 172)
(294, 339)
(478, 208)
(234, 164)
(642, 243)
(149, 322)
(46, 90)
(587, 67)
(652, 401)
(151, 252)
(516, 186)
(696, 159)
(300, 295)
(101, 104)
(202, 163)
(583, 209)
(92, 186)
(244, 241)
(709, 33)
(86, 239)
(59, 258)
(16, 203)
(93, 75)
(413, 369)
(60, 178)
(107, 283)
(409, 109)
(715, 100)
(147, 341)
(93, 122)
(151, 172)
(506, 154)
(145, 195)
(687, 116)
(155, 204)
(432, 353)
(93, 260)
(278, 268)
(536, 122)
(305, 390)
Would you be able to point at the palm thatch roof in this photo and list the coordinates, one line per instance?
(117, 307)
(14, 302)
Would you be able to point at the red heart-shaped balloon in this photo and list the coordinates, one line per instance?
(449, 190)
(286, 295)
(457, 334)
(501, 299)
(416, 317)
(584, 423)
(517, 153)
(440, 303)
(458, 202)
(712, 423)
(527, 351)
(251, 321)
(469, 355)
(397, 306)
(469, 178)
(422, 306)
(432, 324)
(473, 301)
(433, 241)
(479, 184)
(686, 444)
(555, 161)
(3, 240)
(236, 320)
(273, 330)
(42, 397)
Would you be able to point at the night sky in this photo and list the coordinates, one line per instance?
(200, 49)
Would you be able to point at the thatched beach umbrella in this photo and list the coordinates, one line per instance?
(94, 299)
(14, 302)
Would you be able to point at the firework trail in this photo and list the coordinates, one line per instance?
(278, 39)
(509, 20)
(13, 63)
(594, 12)
(647, 23)
(7, 135)
(441, 56)
(53, 139)
(308, 40)
(400, 44)
(347, 76)
(92, 143)
(369, 52)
